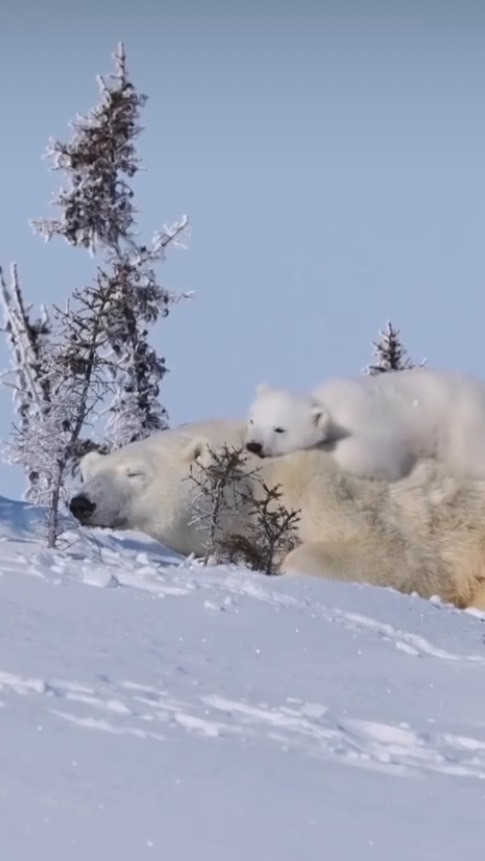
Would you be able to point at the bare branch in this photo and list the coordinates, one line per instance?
(226, 489)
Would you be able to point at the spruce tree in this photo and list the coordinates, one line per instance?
(97, 211)
(390, 353)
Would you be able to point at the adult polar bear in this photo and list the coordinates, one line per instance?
(378, 426)
(424, 533)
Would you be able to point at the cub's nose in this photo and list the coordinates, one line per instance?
(255, 447)
(81, 507)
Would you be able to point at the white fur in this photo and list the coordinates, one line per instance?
(424, 533)
(145, 485)
(378, 426)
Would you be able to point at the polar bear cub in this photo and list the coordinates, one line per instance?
(378, 426)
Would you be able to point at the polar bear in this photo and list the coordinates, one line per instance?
(378, 426)
(423, 533)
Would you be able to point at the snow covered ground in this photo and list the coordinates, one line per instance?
(151, 709)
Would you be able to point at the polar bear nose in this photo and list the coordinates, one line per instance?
(254, 447)
(81, 506)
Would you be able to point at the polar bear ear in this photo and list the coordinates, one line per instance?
(194, 449)
(87, 464)
(321, 419)
(262, 389)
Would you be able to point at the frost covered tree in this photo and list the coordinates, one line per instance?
(28, 342)
(97, 211)
(66, 363)
(390, 353)
(58, 380)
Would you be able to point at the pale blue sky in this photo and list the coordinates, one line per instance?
(331, 157)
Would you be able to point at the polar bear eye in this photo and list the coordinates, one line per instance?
(134, 473)
(279, 430)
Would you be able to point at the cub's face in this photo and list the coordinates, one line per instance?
(281, 422)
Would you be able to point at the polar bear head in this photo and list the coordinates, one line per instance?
(281, 421)
(113, 486)
(146, 485)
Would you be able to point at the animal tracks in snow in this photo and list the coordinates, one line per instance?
(414, 645)
(149, 714)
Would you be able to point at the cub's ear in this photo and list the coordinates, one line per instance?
(321, 419)
(195, 449)
(87, 464)
(262, 389)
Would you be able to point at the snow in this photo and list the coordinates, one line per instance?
(153, 708)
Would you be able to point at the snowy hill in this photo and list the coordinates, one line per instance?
(152, 709)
